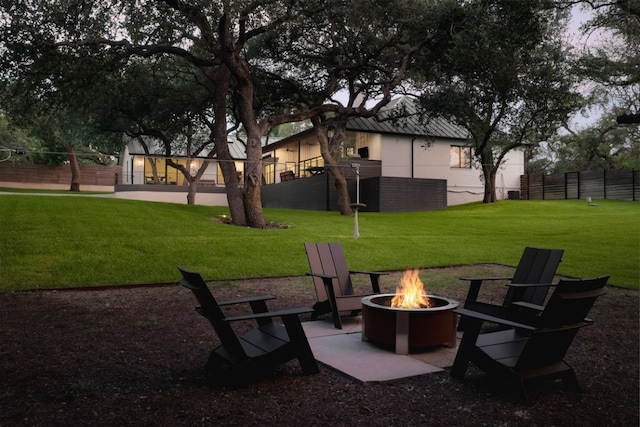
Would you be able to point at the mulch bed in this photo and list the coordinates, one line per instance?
(134, 356)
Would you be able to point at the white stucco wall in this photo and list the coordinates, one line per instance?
(421, 158)
(204, 199)
(396, 156)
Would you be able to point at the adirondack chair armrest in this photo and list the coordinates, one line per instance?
(374, 276)
(247, 300)
(476, 282)
(530, 285)
(482, 279)
(376, 273)
(270, 314)
(525, 312)
(328, 283)
(463, 312)
(258, 304)
(528, 306)
(576, 325)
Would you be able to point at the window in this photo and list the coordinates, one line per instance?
(460, 157)
(347, 148)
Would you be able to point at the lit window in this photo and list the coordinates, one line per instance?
(460, 157)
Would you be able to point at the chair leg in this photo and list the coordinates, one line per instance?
(460, 365)
(299, 340)
(519, 390)
(323, 307)
(570, 380)
(375, 283)
(217, 370)
(472, 295)
(466, 348)
(336, 318)
(328, 285)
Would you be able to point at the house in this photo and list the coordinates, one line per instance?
(404, 164)
(147, 176)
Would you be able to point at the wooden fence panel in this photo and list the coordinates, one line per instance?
(619, 184)
(45, 174)
(536, 187)
(592, 184)
(623, 184)
(572, 180)
(554, 187)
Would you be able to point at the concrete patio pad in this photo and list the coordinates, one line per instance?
(344, 350)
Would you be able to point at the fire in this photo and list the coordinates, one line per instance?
(410, 294)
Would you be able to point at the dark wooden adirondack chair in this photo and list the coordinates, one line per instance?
(533, 350)
(536, 267)
(332, 280)
(242, 359)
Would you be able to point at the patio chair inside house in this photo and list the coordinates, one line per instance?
(536, 267)
(287, 176)
(240, 359)
(332, 281)
(533, 349)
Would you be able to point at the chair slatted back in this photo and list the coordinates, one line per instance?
(329, 259)
(210, 309)
(563, 315)
(572, 300)
(536, 266)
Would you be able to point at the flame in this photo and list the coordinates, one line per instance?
(411, 293)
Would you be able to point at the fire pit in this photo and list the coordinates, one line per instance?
(409, 319)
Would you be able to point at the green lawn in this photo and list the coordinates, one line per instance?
(57, 241)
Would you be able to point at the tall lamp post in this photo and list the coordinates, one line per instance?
(357, 205)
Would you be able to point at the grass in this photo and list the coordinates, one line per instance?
(54, 242)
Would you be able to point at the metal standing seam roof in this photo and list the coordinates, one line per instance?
(237, 149)
(408, 124)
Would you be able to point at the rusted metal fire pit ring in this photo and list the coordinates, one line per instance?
(406, 328)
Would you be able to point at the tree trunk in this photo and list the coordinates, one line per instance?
(330, 149)
(342, 191)
(231, 181)
(235, 63)
(489, 174)
(75, 168)
(193, 181)
(221, 78)
(152, 161)
(253, 180)
(154, 171)
(191, 193)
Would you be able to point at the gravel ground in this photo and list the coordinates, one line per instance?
(134, 355)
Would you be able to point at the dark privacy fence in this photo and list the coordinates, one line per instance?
(621, 184)
(380, 194)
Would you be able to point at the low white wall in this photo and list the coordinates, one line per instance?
(457, 195)
(461, 194)
(205, 199)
